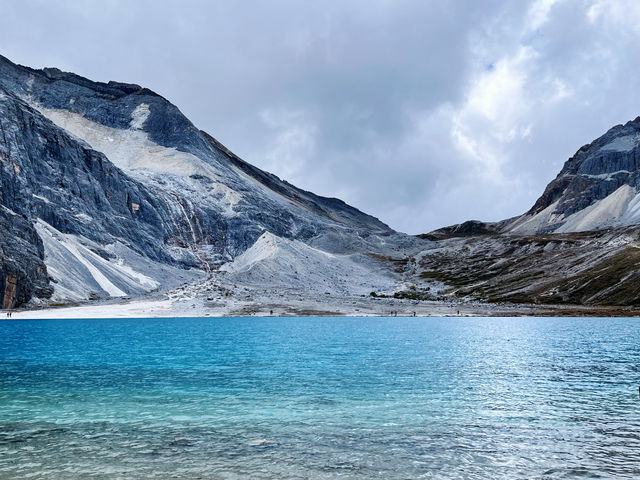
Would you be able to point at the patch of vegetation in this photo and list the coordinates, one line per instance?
(517, 298)
(614, 281)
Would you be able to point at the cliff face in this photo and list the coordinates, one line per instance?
(108, 175)
(23, 273)
(48, 174)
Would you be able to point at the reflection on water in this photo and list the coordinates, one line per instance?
(320, 398)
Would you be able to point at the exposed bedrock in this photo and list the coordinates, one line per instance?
(23, 272)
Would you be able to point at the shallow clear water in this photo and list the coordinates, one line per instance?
(391, 398)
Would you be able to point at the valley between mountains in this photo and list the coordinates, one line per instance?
(112, 203)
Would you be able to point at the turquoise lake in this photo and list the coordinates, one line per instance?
(320, 398)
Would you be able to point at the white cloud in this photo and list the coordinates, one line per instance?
(539, 13)
(623, 14)
(292, 141)
(495, 113)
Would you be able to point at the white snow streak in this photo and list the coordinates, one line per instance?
(97, 275)
(603, 213)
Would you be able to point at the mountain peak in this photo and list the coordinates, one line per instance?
(115, 181)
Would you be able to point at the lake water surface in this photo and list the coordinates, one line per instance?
(320, 398)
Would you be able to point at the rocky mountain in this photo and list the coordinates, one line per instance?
(108, 190)
(22, 269)
(578, 244)
(598, 187)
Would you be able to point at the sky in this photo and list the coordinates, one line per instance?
(423, 113)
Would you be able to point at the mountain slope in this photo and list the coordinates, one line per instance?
(50, 175)
(111, 174)
(146, 121)
(600, 267)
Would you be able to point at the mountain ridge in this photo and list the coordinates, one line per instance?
(578, 243)
(119, 90)
(110, 192)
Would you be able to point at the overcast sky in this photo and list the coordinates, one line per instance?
(422, 113)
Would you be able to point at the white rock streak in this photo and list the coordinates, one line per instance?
(79, 272)
(139, 116)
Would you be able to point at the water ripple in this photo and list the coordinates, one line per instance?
(328, 398)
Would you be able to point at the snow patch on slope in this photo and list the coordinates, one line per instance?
(606, 176)
(40, 197)
(632, 213)
(537, 222)
(275, 261)
(129, 149)
(85, 257)
(622, 207)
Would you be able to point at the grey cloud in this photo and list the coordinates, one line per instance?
(376, 102)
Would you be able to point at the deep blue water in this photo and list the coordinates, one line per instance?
(269, 398)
